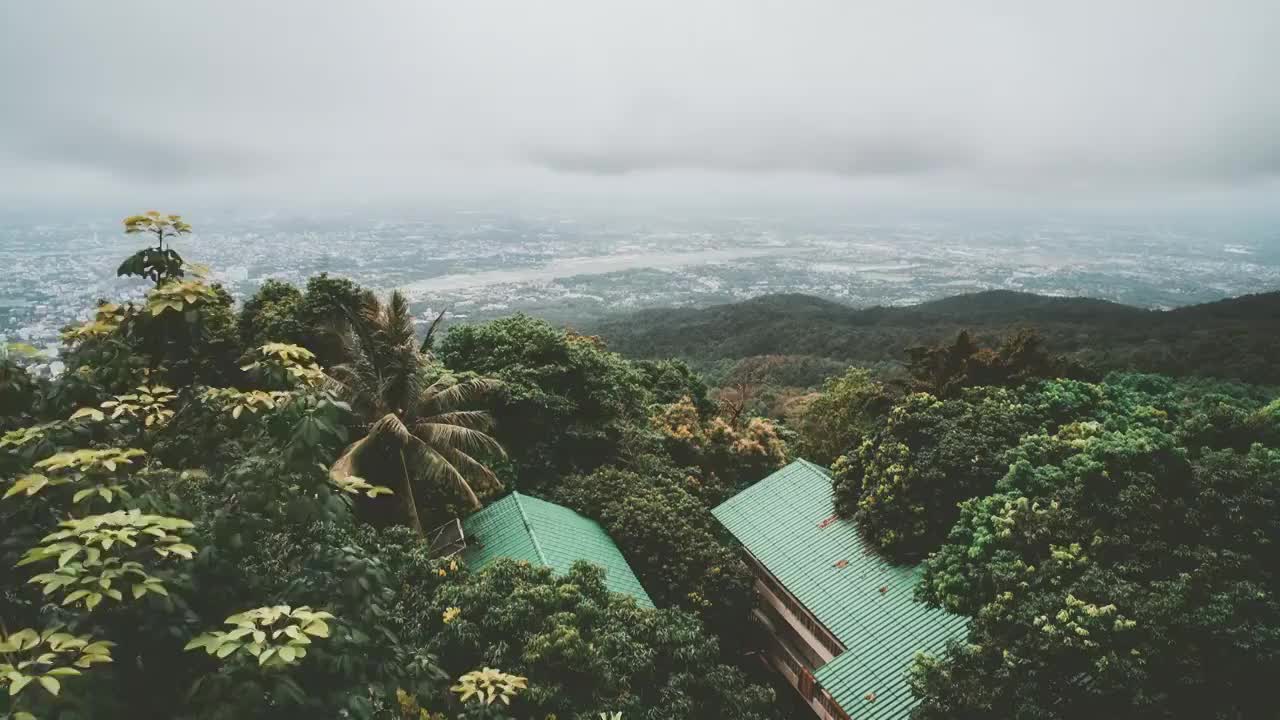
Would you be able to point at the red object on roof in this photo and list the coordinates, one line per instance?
(828, 521)
(842, 564)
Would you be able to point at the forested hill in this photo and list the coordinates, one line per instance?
(1229, 338)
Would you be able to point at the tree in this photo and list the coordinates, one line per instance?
(568, 404)
(902, 484)
(669, 538)
(586, 651)
(411, 409)
(766, 385)
(328, 307)
(158, 263)
(946, 369)
(728, 456)
(671, 380)
(845, 412)
(271, 315)
(1110, 575)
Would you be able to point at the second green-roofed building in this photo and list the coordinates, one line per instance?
(521, 527)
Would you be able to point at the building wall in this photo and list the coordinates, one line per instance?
(795, 643)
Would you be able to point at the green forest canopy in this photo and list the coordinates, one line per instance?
(1233, 339)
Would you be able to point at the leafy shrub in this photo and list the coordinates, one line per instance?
(669, 538)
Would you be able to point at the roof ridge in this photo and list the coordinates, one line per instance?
(524, 517)
(812, 466)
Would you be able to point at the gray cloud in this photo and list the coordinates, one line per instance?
(130, 154)
(295, 100)
(792, 151)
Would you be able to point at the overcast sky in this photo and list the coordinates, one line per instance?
(919, 102)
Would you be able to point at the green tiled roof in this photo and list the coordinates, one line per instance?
(526, 528)
(787, 521)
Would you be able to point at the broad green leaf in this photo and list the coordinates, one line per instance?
(16, 684)
(197, 642)
(29, 484)
(92, 413)
(50, 684)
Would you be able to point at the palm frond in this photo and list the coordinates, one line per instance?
(437, 468)
(358, 382)
(440, 435)
(417, 387)
(478, 475)
(348, 463)
(474, 419)
(369, 312)
(390, 427)
(399, 322)
(451, 396)
(429, 339)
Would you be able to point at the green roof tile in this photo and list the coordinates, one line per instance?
(521, 527)
(788, 522)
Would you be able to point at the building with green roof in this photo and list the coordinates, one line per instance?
(521, 527)
(840, 622)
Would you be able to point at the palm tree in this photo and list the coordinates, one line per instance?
(410, 409)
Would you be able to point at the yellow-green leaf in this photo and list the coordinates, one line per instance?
(17, 683)
(92, 413)
(50, 683)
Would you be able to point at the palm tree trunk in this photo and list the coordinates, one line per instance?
(410, 504)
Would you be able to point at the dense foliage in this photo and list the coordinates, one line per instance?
(727, 455)
(904, 481)
(902, 484)
(846, 410)
(945, 370)
(569, 405)
(586, 651)
(1113, 574)
(670, 539)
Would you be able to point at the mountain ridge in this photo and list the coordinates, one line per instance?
(1232, 337)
